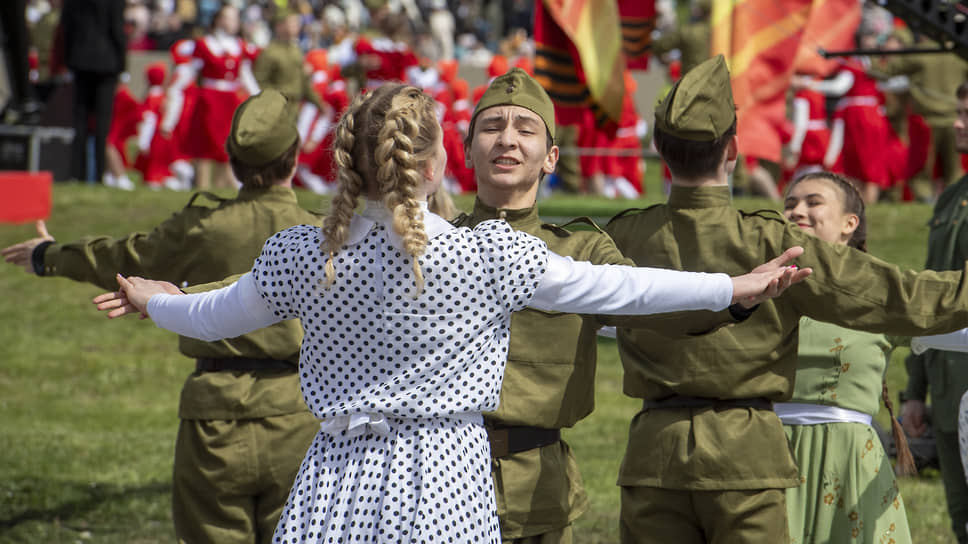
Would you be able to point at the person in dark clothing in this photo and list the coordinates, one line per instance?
(94, 49)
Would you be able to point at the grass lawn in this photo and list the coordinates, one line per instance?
(89, 407)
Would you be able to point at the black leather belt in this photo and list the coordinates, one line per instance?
(507, 440)
(682, 401)
(241, 363)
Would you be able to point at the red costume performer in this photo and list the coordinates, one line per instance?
(224, 64)
(155, 149)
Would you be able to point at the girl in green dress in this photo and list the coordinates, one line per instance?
(848, 492)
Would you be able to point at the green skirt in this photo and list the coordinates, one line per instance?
(847, 493)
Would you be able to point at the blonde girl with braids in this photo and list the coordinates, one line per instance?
(406, 322)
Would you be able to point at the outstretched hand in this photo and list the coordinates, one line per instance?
(770, 279)
(132, 297)
(20, 254)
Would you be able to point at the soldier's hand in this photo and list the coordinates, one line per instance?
(770, 279)
(20, 254)
(912, 418)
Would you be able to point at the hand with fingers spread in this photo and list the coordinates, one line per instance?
(133, 296)
(770, 279)
(21, 254)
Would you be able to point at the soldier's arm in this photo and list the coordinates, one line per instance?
(859, 291)
(159, 254)
(263, 69)
(667, 42)
(211, 286)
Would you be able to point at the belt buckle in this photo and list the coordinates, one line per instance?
(499, 442)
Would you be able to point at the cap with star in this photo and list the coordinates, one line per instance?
(517, 88)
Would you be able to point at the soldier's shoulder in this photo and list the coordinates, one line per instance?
(763, 214)
(633, 213)
(576, 226)
(463, 219)
(205, 199)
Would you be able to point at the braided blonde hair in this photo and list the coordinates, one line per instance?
(381, 142)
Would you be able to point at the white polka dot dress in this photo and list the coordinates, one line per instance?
(398, 382)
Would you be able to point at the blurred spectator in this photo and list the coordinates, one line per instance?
(442, 27)
(137, 21)
(94, 48)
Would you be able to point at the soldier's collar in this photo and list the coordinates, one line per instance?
(709, 196)
(519, 218)
(273, 191)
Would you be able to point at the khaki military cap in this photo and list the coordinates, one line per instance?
(263, 128)
(517, 88)
(699, 107)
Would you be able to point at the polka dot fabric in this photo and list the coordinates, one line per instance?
(424, 363)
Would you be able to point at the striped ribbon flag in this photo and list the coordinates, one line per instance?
(578, 56)
(761, 40)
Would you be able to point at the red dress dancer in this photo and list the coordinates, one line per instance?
(318, 165)
(866, 130)
(384, 60)
(224, 64)
(124, 121)
(623, 173)
(811, 134)
(155, 149)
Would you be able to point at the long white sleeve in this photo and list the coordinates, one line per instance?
(184, 75)
(836, 144)
(801, 115)
(583, 288)
(247, 78)
(839, 85)
(953, 341)
(223, 313)
(307, 113)
(146, 130)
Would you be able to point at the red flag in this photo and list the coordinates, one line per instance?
(831, 26)
(26, 196)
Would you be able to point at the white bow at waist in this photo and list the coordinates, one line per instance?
(377, 423)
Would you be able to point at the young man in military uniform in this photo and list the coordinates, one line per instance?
(944, 372)
(707, 459)
(280, 65)
(549, 380)
(244, 426)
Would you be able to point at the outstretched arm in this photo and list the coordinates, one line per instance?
(580, 287)
(213, 315)
(21, 254)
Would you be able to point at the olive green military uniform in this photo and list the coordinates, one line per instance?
(280, 66)
(242, 433)
(244, 426)
(934, 78)
(692, 40)
(549, 379)
(549, 384)
(707, 458)
(945, 373)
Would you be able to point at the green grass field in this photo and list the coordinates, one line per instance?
(89, 406)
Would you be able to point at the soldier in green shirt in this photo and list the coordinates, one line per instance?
(244, 426)
(707, 459)
(692, 39)
(280, 65)
(944, 373)
(933, 80)
(549, 380)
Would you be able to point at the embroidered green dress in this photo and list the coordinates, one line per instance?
(848, 493)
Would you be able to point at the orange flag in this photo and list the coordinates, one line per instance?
(831, 26)
(759, 39)
(764, 41)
